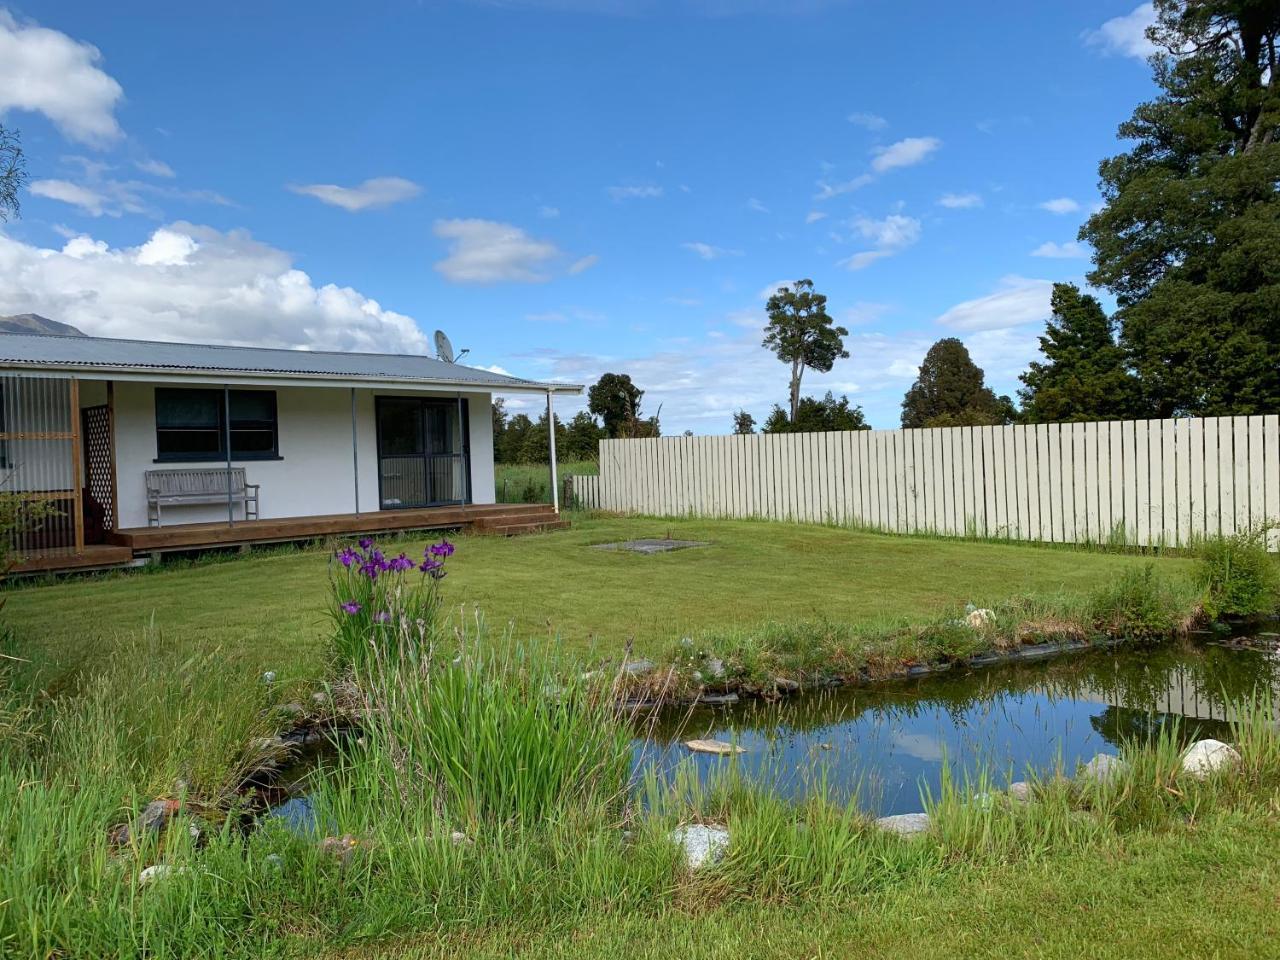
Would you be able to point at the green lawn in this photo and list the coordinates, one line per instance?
(268, 607)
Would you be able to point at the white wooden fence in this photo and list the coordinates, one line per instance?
(1143, 482)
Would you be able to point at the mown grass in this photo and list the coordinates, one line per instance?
(271, 607)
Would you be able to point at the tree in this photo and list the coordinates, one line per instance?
(581, 438)
(511, 447)
(950, 391)
(817, 416)
(13, 173)
(498, 410)
(1188, 239)
(802, 334)
(1084, 376)
(744, 422)
(616, 401)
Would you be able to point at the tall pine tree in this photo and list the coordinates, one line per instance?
(1189, 237)
(1083, 376)
(951, 392)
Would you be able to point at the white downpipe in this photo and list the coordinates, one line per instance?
(551, 428)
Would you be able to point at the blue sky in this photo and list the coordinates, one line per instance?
(567, 187)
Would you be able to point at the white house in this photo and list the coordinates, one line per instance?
(144, 446)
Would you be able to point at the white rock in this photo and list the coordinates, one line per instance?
(1205, 757)
(714, 746)
(905, 824)
(1103, 768)
(1020, 791)
(980, 617)
(702, 844)
(158, 872)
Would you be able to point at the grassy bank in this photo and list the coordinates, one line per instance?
(531, 482)
(269, 608)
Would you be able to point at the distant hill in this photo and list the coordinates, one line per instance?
(34, 323)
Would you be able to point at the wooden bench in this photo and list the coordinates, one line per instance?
(208, 485)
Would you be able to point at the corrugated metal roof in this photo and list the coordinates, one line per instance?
(105, 354)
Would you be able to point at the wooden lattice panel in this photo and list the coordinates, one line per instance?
(98, 460)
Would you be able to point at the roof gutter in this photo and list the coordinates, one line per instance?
(266, 378)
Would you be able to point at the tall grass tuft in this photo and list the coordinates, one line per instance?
(1241, 578)
(490, 732)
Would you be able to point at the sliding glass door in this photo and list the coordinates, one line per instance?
(423, 454)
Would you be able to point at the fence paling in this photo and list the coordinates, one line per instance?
(1144, 482)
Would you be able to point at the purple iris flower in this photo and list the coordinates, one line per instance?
(370, 569)
(442, 549)
(347, 556)
(365, 543)
(382, 617)
(351, 607)
(400, 563)
(429, 566)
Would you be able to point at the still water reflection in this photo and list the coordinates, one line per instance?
(888, 743)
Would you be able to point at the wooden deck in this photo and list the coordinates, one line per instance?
(507, 519)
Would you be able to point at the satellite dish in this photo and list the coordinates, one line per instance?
(444, 349)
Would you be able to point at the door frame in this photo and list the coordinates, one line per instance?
(464, 410)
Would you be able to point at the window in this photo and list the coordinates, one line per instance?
(191, 425)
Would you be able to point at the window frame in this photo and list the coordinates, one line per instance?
(224, 434)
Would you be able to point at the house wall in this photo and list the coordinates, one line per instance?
(314, 474)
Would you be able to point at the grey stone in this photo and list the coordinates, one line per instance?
(635, 668)
(702, 844)
(905, 824)
(718, 747)
(269, 677)
(718, 699)
(785, 685)
(1206, 757)
(291, 710)
(651, 546)
(1103, 768)
(158, 872)
(1020, 791)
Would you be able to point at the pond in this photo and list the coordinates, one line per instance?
(885, 744)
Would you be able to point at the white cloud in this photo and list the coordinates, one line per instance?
(868, 121)
(1016, 301)
(547, 316)
(1125, 36)
(635, 192)
(548, 212)
(1070, 250)
(45, 71)
(90, 201)
(485, 251)
(756, 205)
(195, 283)
(1060, 205)
(890, 235)
(709, 252)
(814, 216)
(584, 263)
(370, 195)
(960, 201)
(167, 248)
(827, 189)
(156, 168)
(904, 153)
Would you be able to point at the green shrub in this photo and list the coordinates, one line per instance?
(1241, 579)
(1141, 606)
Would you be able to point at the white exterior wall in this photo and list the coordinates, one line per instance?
(315, 473)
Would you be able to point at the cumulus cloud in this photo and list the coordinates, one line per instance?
(868, 121)
(1060, 205)
(194, 283)
(904, 153)
(45, 71)
(1071, 250)
(90, 201)
(894, 233)
(486, 251)
(635, 192)
(369, 195)
(708, 251)
(1126, 35)
(97, 194)
(1016, 301)
(960, 201)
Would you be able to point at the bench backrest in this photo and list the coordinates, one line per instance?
(204, 481)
